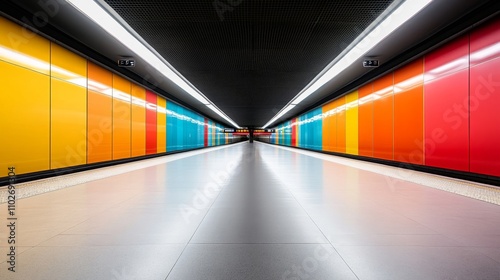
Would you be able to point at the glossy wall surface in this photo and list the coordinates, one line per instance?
(440, 110)
(60, 110)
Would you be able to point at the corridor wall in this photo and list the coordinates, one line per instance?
(440, 110)
(61, 110)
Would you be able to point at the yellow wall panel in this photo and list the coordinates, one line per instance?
(25, 115)
(68, 122)
(24, 48)
(161, 123)
(121, 117)
(138, 121)
(99, 114)
(68, 66)
(352, 123)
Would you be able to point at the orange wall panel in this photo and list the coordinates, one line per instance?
(365, 120)
(99, 114)
(341, 124)
(329, 135)
(351, 131)
(121, 117)
(138, 121)
(383, 108)
(409, 113)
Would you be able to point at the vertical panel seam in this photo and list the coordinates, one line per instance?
(393, 115)
(423, 110)
(86, 111)
(130, 119)
(468, 97)
(112, 117)
(50, 105)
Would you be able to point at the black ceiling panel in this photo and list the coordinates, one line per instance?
(259, 54)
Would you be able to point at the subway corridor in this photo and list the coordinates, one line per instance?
(254, 211)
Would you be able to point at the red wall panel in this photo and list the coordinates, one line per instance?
(205, 133)
(485, 100)
(365, 121)
(294, 132)
(151, 138)
(446, 99)
(485, 43)
(383, 117)
(409, 113)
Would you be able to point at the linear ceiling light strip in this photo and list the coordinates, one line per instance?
(96, 13)
(393, 21)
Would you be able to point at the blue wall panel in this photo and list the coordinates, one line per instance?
(185, 129)
(310, 130)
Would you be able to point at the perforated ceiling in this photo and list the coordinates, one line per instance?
(250, 58)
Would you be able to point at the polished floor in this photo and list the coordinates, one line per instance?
(253, 211)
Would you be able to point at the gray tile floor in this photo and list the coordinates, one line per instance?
(253, 211)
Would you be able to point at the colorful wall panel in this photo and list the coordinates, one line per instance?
(294, 132)
(68, 106)
(138, 121)
(329, 135)
(161, 125)
(365, 120)
(409, 113)
(310, 131)
(68, 124)
(151, 120)
(351, 130)
(73, 112)
(99, 114)
(341, 124)
(24, 49)
(21, 110)
(440, 110)
(121, 117)
(24, 69)
(446, 99)
(484, 99)
(186, 129)
(383, 109)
